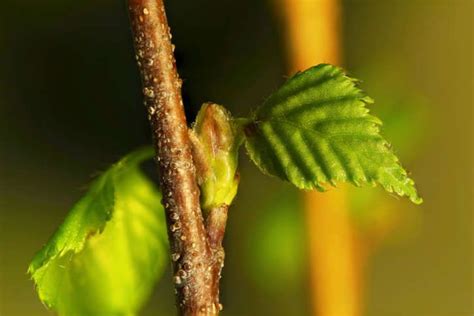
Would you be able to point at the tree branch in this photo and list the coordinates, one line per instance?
(192, 255)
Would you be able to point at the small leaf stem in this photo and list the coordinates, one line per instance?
(216, 221)
(195, 275)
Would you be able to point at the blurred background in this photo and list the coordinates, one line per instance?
(70, 105)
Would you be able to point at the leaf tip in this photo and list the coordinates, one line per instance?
(415, 198)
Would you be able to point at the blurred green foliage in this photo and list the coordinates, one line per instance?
(108, 254)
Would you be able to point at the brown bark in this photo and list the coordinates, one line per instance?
(194, 257)
(216, 221)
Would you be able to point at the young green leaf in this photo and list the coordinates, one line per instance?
(316, 129)
(108, 253)
(215, 139)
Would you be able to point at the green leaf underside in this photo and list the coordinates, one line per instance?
(107, 255)
(316, 129)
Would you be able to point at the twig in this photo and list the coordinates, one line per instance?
(216, 222)
(194, 260)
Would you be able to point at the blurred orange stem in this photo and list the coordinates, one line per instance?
(313, 31)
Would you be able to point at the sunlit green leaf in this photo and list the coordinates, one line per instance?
(108, 253)
(316, 129)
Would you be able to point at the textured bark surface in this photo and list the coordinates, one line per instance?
(216, 221)
(194, 258)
